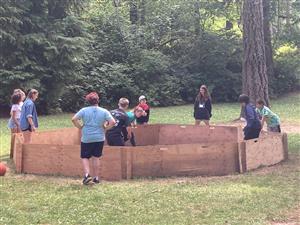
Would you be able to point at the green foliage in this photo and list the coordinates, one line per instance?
(287, 71)
(67, 48)
(45, 51)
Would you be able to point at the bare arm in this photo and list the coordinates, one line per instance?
(109, 124)
(76, 122)
(30, 121)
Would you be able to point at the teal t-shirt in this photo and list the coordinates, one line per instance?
(131, 116)
(272, 119)
(93, 118)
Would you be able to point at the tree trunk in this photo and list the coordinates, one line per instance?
(267, 39)
(197, 17)
(143, 12)
(255, 79)
(133, 12)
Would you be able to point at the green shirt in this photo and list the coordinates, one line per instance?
(271, 118)
(131, 116)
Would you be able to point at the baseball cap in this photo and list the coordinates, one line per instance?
(142, 97)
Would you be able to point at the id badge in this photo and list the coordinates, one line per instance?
(201, 105)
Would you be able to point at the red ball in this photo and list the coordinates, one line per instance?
(2, 169)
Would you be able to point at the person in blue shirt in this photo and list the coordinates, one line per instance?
(29, 118)
(94, 122)
(253, 126)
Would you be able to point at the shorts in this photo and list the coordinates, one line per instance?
(11, 123)
(115, 140)
(275, 129)
(251, 133)
(93, 149)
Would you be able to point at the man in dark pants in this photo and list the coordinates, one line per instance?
(114, 135)
(253, 126)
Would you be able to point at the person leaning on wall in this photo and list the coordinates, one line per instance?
(29, 118)
(253, 125)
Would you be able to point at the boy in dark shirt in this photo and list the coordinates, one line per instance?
(253, 126)
(114, 135)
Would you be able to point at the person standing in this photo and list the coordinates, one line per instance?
(29, 118)
(115, 135)
(253, 126)
(202, 106)
(15, 114)
(92, 128)
(144, 119)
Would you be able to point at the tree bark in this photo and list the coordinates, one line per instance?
(143, 12)
(267, 39)
(197, 17)
(255, 79)
(133, 12)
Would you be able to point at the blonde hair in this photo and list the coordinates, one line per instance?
(123, 102)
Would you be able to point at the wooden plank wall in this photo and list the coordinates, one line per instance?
(188, 134)
(268, 150)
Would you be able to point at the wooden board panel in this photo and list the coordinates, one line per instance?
(198, 159)
(146, 134)
(265, 151)
(65, 160)
(66, 136)
(146, 161)
(179, 134)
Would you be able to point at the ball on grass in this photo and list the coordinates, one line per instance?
(2, 169)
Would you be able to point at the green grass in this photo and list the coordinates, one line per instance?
(251, 198)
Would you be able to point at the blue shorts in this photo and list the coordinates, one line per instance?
(11, 123)
(93, 149)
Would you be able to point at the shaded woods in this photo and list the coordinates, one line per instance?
(162, 49)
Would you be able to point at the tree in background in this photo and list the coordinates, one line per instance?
(255, 79)
(42, 50)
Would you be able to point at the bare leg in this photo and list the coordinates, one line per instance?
(206, 122)
(27, 137)
(86, 166)
(96, 166)
(197, 122)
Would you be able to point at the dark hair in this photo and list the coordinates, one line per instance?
(92, 98)
(32, 92)
(16, 98)
(204, 97)
(244, 98)
(260, 102)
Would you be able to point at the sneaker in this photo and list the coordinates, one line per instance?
(87, 179)
(96, 181)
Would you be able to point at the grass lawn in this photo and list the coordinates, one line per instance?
(258, 197)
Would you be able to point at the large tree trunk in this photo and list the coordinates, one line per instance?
(197, 17)
(267, 39)
(143, 12)
(133, 12)
(255, 79)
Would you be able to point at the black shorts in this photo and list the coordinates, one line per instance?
(91, 149)
(115, 140)
(251, 133)
(28, 129)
